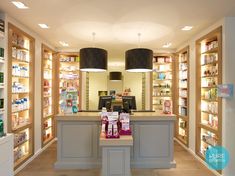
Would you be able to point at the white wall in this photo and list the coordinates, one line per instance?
(37, 95)
(229, 104)
(134, 82)
(97, 82)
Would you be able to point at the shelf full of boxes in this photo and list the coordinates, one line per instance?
(209, 105)
(182, 98)
(2, 75)
(69, 83)
(21, 48)
(162, 80)
(48, 76)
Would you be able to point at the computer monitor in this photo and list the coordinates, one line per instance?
(105, 101)
(128, 103)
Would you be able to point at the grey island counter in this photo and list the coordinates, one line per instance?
(78, 140)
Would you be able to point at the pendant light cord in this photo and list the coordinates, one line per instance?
(139, 35)
(93, 38)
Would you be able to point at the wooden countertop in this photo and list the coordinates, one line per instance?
(137, 116)
(122, 141)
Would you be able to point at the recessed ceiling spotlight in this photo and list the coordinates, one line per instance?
(167, 45)
(187, 28)
(44, 26)
(20, 5)
(63, 43)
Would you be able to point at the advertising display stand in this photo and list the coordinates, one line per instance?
(68, 100)
(115, 152)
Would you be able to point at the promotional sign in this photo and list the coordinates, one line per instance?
(217, 157)
(225, 90)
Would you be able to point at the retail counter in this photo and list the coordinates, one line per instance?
(78, 140)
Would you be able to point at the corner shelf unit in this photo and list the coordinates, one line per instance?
(2, 69)
(69, 77)
(21, 53)
(162, 80)
(48, 100)
(208, 106)
(182, 96)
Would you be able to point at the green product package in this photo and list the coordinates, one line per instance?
(1, 77)
(1, 128)
(1, 52)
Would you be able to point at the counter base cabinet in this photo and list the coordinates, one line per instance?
(6, 153)
(153, 145)
(116, 161)
(78, 144)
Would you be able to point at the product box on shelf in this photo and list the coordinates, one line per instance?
(1, 128)
(167, 107)
(2, 26)
(2, 53)
(125, 124)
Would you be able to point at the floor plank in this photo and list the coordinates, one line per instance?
(187, 165)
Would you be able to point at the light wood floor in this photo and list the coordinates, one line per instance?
(187, 165)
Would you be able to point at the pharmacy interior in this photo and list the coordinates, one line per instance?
(48, 93)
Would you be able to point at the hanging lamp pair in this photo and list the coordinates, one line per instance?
(136, 60)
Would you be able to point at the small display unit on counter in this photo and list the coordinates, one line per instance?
(114, 125)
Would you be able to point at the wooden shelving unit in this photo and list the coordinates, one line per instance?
(68, 77)
(209, 106)
(21, 49)
(48, 94)
(162, 80)
(182, 96)
(2, 69)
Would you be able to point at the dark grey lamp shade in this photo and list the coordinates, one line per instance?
(93, 59)
(115, 76)
(139, 60)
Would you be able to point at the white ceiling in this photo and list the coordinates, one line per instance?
(118, 22)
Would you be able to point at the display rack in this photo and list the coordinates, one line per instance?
(2, 70)
(21, 49)
(182, 96)
(209, 105)
(69, 79)
(48, 100)
(162, 80)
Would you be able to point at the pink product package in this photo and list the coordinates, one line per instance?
(112, 131)
(125, 124)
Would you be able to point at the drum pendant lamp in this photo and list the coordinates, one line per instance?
(93, 60)
(115, 76)
(139, 60)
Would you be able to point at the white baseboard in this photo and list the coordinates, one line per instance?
(179, 142)
(34, 156)
(197, 157)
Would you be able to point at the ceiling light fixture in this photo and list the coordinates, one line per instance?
(63, 43)
(93, 59)
(139, 59)
(43, 26)
(115, 76)
(20, 5)
(187, 28)
(167, 45)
